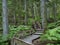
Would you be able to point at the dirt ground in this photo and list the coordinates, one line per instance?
(36, 42)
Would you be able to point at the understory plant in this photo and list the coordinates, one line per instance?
(52, 35)
(14, 30)
(53, 25)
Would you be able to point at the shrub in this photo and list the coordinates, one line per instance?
(52, 35)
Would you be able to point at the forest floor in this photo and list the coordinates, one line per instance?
(36, 42)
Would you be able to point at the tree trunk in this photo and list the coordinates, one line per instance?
(48, 13)
(55, 11)
(34, 9)
(47, 10)
(5, 18)
(43, 16)
(14, 12)
(25, 8)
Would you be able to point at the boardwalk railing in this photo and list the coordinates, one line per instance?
(17, 41)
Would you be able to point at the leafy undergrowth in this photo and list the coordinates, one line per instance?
(53, 25)
(19, 31)
(52, 35)
(13, 31)
(52, 44)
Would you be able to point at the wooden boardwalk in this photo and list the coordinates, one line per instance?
(29, 39)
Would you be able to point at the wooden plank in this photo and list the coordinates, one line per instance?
(37, 33)
(30, 38)
(20, 42)
(27, 40)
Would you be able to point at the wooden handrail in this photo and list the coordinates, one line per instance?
(21, 40)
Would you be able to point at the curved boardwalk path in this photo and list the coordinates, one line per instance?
(29, 39)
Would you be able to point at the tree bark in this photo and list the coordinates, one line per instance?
(34, 9)
(48, 13)
(55, 11)
(5, 18)
(47, 10)
(43, 15)
(25, 8)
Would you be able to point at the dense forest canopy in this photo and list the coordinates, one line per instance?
(17, 7)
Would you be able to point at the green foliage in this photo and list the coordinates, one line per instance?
(52, 44)
(14, 30)
(2, 40)
(54, 25)
(52, 35)
(30, 21)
